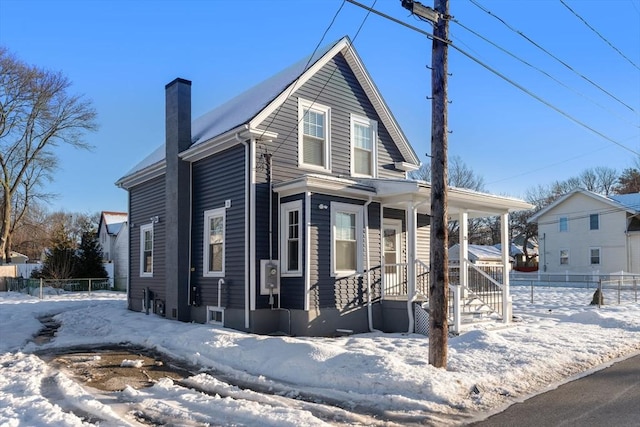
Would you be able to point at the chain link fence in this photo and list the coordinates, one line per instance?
(42, 288)
(613, 288)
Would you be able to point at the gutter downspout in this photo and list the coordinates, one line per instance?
(247, 212)
(412, 229)
(368, 266)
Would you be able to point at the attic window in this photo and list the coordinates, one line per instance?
(314, 132)
(364, 136)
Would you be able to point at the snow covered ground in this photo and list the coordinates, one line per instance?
(361, 379)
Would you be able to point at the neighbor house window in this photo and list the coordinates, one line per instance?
(291, 238)
(364, 134)
(594, 256)
(346, 238)
(594, 222)
(146, 250)
(214, 241)
(564, 256)
(314, 135)
(563, 224)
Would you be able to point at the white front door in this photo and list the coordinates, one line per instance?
(392, 232)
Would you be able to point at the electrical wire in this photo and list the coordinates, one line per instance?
(474, 2)
(598, 34)
(324, 85)
(543, 72)
(333, 20)
(496, 72)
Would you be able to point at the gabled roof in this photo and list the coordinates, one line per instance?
(113, 221)
(625, 202)
(247, 111)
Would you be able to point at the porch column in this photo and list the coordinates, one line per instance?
(463, 228)
(506, 246)
(411, 261)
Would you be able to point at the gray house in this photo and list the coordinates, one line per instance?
(286, 209)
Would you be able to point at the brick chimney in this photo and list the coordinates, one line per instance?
(177, 193)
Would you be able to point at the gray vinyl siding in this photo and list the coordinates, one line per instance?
(147, 200)
(215, 180)
(334, 86)
(342, 293)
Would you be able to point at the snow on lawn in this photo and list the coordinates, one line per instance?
(490, 366)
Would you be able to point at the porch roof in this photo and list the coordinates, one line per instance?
(475, 203)
(398, 192)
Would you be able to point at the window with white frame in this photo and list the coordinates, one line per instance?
(564, 256)
(291, 238)
(594, 256)
(146, 250)
(214, 241)
(346, 239)
(563, 224)
(594, 222)
(364, 136)
(314, 135)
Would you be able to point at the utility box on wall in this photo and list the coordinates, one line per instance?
(269, 277)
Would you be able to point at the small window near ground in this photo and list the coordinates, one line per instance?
(214, 242)
(215, 315)
(146, 250)
(594, 222)
(594, 256)
(564, 256)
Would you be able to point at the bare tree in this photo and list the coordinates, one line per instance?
(607, 179)
(36, 114)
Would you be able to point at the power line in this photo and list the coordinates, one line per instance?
(474, 2)
(541, 71)
(599, 35)
(333, 20)
(325, 83)
(496, 72)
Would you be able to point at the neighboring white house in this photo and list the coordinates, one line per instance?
(585, 232)
(113, 235)
(18, 258)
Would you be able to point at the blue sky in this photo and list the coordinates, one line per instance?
(120, 54)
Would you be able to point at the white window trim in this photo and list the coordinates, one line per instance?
(285, 208)
(597, 216)
(205, 243)
(599, 255)
(374, 145)
(143, 229)
(303, 104)
(568, 257)
(359, 211)
(215, 309)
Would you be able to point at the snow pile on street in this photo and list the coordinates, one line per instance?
(254, 380)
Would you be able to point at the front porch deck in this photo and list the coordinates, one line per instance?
(482, 298)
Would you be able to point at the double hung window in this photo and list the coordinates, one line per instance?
(146, 250)
(364, 134)
(214, 242)
(314, 135)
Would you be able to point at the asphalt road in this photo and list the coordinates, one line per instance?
(610, 397)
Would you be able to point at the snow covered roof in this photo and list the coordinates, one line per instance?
(477, 253)
(629, 201)
(113, 221)
(251, 107)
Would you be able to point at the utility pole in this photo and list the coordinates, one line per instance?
(439, 275)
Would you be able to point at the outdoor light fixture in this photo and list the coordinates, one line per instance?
(421, 10)
(323, 206)
(155, 219)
